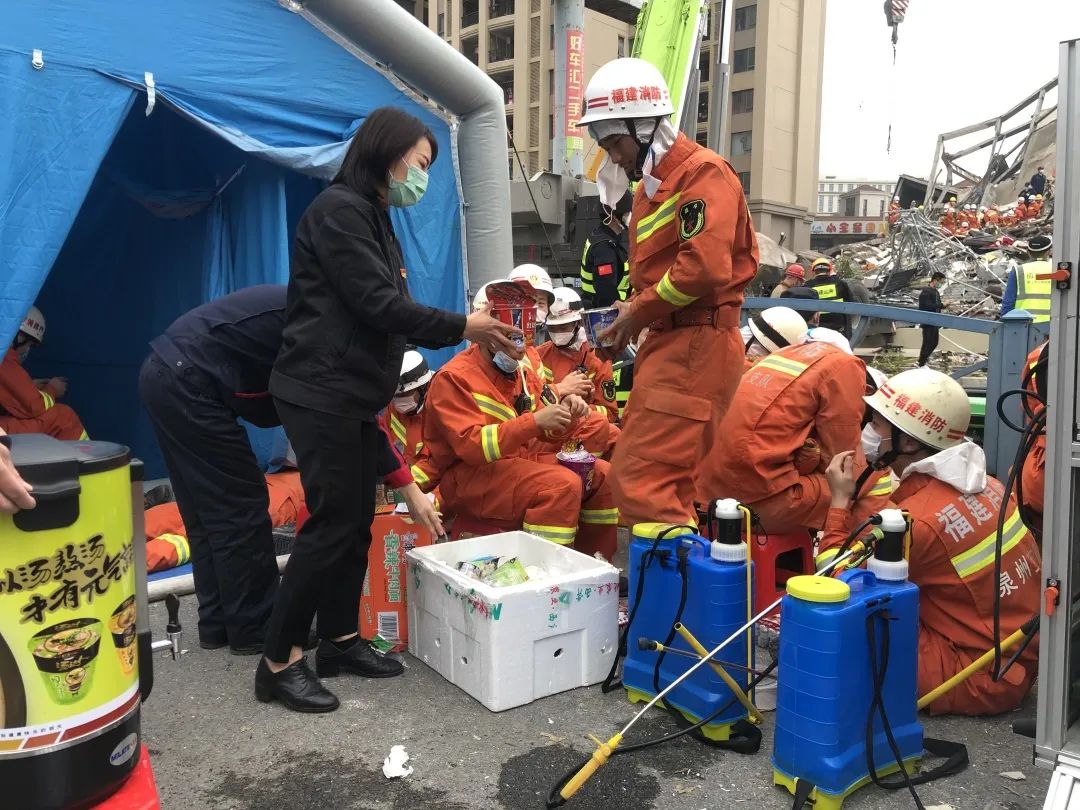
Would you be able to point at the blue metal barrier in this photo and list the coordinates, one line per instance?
(1011, 339)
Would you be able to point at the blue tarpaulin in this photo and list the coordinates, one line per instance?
(115, 221)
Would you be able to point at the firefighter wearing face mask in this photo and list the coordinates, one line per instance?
(692, 252)
(494, 428)
(573, 363)
(793, 411)
(919, 421)
(605, 269)
(404, 419)
(28, 405)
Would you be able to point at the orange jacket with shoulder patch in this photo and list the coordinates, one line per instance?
(558, 363)
(693, 243)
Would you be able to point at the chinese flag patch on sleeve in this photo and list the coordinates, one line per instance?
(606, 269)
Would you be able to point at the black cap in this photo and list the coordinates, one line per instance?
(1040, 244)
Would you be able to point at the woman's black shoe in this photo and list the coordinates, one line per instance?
(296, 687)
(358, 658)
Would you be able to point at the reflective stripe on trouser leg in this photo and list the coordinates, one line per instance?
(598, 529)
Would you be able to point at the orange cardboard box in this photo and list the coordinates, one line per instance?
(383, 607)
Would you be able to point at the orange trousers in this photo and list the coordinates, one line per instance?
(979, 695)
(542, 498)
(595, 432)
(166, 536)
(59, 421)
(684, 380)
(803, 505)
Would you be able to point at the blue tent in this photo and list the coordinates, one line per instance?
(159, 154)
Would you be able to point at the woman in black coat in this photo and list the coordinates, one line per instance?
(349, 317)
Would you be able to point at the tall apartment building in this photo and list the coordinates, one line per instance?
(773, 133)
(513, 42)
(776, 52)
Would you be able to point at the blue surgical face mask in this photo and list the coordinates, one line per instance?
(505, 363)
(403, 193)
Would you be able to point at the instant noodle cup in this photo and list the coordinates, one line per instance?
(66, 655)
(582, 463)
(597, 320)
(514, 303)
(122, 628)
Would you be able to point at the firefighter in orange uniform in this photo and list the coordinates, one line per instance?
(572, 363)
(1020, 212)
(894, 213)
(27, 405)
(404, 419)
(793, 411)
(993, 217)
(1033, 474)
(692, 251)
(920, 417)
(948, 219)
(493, 427)
(1034, 208)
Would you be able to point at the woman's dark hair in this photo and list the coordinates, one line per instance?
(382, 140)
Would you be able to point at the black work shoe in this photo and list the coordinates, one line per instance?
(252, 648)
(359, 659)
(295, 687)
(212, 642)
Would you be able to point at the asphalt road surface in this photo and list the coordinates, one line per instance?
(214, 747)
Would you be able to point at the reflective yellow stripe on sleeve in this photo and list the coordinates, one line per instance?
(650, 224)
(489, 441)
(494, 408)
(784, 365)
(47, 398)
(419, 477)
(883, 486)
(981, 554)
(825, 557)
(398, 430)
(556, 534)
(670, 293)
(180, 544)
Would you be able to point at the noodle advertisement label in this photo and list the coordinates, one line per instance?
(68, 652)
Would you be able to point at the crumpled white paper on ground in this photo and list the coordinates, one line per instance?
(394, 766)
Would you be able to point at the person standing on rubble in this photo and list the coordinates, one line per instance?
(930, 301)
(1038, 181)
(1024, 289)
(348, 317)
(692, 252)
(794, 276)
(830, 287)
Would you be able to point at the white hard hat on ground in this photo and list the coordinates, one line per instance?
(566, 308)
(33, 325)
(415, 372)
(777, 327)
(925, 404)
(626, 88)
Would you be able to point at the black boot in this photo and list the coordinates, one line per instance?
(296, 687)
(356, 656)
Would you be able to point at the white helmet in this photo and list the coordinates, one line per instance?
(566, 308)
(626, 88)
(480, 300)
(926, 405)
(537, 276)
(415, 372)
(777, 327)
(33, 325)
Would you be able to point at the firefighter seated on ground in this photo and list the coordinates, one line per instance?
(771, 330)
(793, 411)
(494, 427)
(404, 419)
(596, 433)
(920, 418)
(574, 366)
(28, 405)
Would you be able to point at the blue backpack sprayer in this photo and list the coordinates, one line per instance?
(846, 701)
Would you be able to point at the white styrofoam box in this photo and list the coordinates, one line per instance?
(509, 646)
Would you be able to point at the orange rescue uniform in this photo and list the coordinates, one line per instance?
(788, 403)
(1033, 209)
(498, 466)
(559, 363)
(1020, 213)
(407, 435)
(1033, 474)
(166, 537)
(26, 409)
(692, 252)
(952, 561)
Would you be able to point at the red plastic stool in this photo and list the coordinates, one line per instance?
(777, 558)
(139, 791)
(468, 526)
